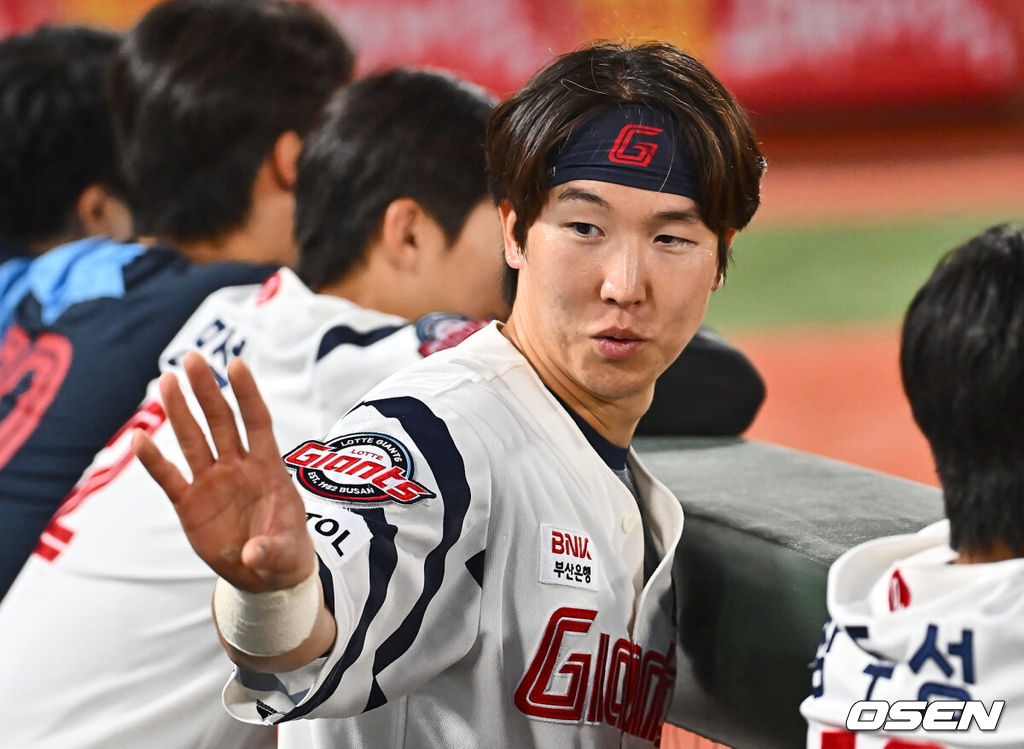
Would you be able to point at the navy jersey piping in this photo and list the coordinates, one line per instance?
(383, 560)
(431, 435)
(341, 335)
(475, 566)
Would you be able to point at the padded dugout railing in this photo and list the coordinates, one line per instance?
(763, 524)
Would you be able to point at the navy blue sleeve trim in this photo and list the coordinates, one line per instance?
(430, 434)
(377, 696)
(327, 583)
(343, 334)
(383, 560)
(475, 565)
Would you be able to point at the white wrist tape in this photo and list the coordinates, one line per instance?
(267, 624)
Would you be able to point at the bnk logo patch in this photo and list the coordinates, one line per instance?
(361, 468)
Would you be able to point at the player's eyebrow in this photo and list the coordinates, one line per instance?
(574, 193)
(686, 216)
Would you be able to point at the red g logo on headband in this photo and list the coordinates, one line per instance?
(639, 153)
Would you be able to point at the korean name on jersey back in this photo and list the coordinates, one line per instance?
(361, 468)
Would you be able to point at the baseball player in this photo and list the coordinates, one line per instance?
(58, 172)
(924, 644)
(473, 555)
(144, 667)
(208, 132)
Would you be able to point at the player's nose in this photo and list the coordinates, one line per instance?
(625, 278)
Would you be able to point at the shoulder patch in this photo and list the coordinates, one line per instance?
(442, 330)
(364, 468)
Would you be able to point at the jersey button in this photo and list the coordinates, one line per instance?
(629, 523)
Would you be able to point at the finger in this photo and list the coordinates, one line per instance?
(219, 416)
(187, 431)
(255, 416)
(163, 471)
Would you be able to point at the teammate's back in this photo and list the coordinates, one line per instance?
(114, 559)
(145, 666)
(923, 623)
(207, 134)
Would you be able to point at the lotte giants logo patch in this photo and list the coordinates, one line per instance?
(363, 468)
(441, 330)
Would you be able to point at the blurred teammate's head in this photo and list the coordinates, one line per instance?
(962, 360)
(392, 204)
(58, 174)
(530, 130)
(211, 99)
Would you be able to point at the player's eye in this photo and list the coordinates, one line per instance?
(668, 240)
(584, 229)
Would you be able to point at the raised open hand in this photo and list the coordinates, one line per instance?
(241, 513)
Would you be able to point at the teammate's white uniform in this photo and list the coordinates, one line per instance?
(906, 624)
(109, 641)
(485, 567)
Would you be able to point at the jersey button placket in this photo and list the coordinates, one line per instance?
(630, 522)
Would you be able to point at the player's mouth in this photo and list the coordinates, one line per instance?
(617, 343)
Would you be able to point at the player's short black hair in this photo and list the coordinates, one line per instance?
(399, 134)
(201, 90)
(56, 137)
(529, 125)
(962, 360)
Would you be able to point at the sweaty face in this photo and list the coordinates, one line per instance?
(612, 285)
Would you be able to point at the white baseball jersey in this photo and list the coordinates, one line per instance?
(109, 637)
(485, 567)
(907, 624)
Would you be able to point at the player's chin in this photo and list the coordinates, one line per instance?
(620, 380)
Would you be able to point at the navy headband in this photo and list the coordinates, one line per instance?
(630, 144)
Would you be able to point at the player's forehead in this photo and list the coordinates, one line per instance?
(617, 200)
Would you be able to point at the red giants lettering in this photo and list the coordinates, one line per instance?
(566, 543)
(532, 696)
(622, 686)
(638, 153)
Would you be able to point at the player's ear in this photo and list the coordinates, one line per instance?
(513, 252)
(284, 159)
(730, 234)
(98, 211)
(409, 235)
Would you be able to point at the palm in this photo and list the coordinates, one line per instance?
(229, 504)
(241, 512)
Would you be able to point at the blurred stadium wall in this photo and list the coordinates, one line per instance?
(894, 130)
